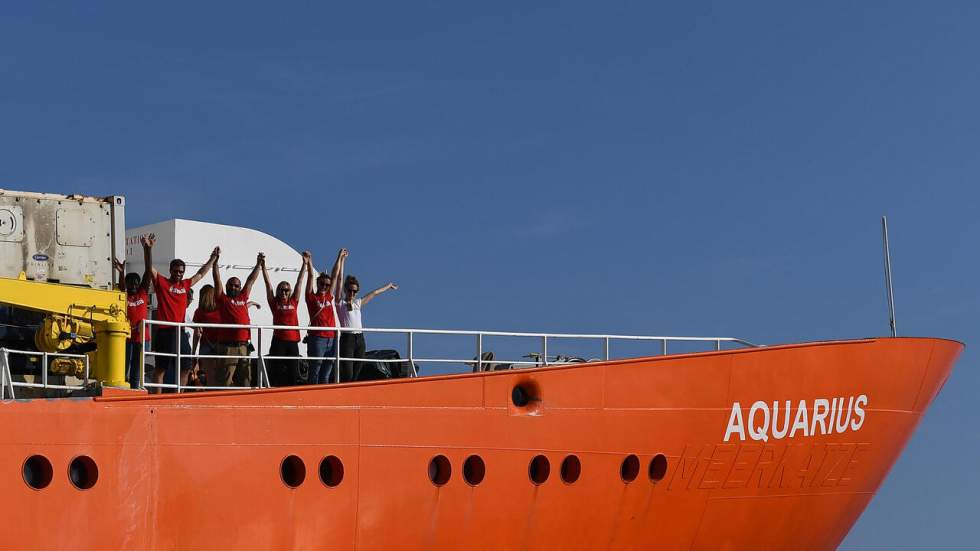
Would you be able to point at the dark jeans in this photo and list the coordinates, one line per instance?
(133, 363)
(165, 340)
(351, 346)
(320, 370)
(283, 372)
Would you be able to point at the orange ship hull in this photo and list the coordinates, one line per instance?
(205, 470)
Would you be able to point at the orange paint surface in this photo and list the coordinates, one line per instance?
(202, 470)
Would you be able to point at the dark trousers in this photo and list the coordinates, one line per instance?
(167, 340)
(283, 372)
(351, 346)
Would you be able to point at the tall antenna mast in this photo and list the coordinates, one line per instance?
(888, 276)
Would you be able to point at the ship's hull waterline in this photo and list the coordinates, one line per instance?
(720, 462)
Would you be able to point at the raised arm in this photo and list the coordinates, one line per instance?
(335, 272)
(299, 278)
(270, 295)
(308, 260)
(259, 263)
(149, 272)
(207, 266)
(377, 292)
(219, 289)
(120, 270)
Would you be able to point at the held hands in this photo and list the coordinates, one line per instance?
(307, 258)
(216, 253)
(343, 253)
(260, 260)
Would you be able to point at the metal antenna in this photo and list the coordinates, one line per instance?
(888, 276)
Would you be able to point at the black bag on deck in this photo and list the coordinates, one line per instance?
(373, 371)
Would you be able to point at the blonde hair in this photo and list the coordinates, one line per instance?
(206, 301)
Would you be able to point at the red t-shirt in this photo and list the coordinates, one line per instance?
(136, 304)
(320, 308)
(171, 298)
(284, 312)
(210, 334)
(234, 310)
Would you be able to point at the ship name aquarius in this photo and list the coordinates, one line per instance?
(765, 420)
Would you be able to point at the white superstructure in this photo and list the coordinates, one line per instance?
(193, 241)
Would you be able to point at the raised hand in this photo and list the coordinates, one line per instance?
(119, 266)
(260, 259)
(307, 257)
(148, 240)
(344, 253)
(392, 286)
(216, 252)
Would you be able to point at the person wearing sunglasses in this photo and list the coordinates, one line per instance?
(349, 312)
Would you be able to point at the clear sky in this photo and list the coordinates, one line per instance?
(717, 168)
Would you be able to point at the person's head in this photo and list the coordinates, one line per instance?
(351, 286)
(283, 290)
(234, 287)
(190, 295)
(177, 268)
(208, 303)
(132, 282)
(322, 283)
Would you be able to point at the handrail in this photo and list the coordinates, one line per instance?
(477, 363)
(9, 383)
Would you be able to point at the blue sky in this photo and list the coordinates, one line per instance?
(635, 167)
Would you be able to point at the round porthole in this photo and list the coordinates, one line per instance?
(630, 468)
(474, 470)
(539, 470)
(658, 468)
(83, 472)
(571, 469)
(331, 471)
(292, 470)
(440, 470)
(38, 472)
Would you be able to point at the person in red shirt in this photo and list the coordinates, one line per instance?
(137, 300)
(284, 304)
(232, 301)
(171, 293)
(206, 339)
(321, 343)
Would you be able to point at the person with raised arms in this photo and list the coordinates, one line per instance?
(171, 293)
(284, 303)
(232, 301)
(322, 343)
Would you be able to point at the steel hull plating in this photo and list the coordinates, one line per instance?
(204, 470)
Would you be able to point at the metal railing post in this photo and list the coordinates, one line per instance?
(411, 354)
(44, 370)
(336, 348)
(718, 344)
(544, 350)
(178, 334)
(479, 353)
(605, 348)
(260, 362)
(142, 373)
(663, 347)
(3, 373)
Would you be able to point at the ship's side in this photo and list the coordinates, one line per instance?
(206, 470)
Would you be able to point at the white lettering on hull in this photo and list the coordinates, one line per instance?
(834, 416)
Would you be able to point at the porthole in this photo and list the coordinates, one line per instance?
(658, 468)
(571, 469)
(331, 471)
(526, 395)
(539, 470)
(440, 470)
(474, 470)
(630, 468)
(83, 472)
(37, 472)
(292, 470)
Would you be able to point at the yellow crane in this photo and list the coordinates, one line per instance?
(76, 315)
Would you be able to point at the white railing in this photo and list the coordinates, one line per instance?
(477, 363)
(7, 382)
